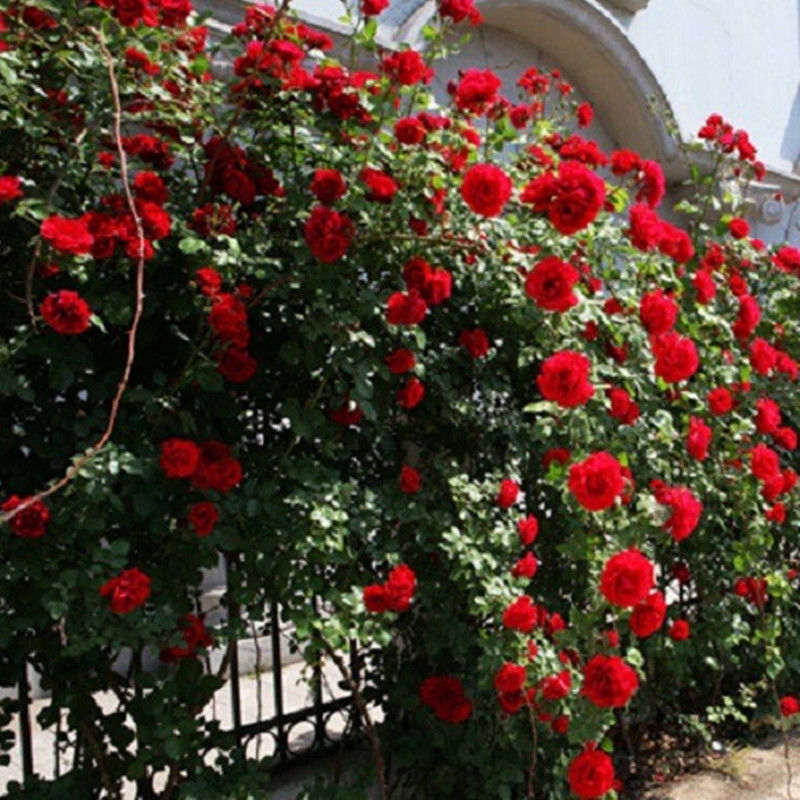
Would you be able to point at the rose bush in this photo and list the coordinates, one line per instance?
(372, 349)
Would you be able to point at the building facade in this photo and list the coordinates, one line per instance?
(638, 62)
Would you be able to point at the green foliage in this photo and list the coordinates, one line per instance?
(319, 512)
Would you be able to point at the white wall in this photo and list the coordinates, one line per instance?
(740, 58)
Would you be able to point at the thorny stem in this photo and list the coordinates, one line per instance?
(104, 439)
(365, 715)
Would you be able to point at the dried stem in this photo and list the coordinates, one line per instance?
(92, 451)
(365, 715)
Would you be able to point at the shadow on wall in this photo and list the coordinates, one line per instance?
(790, 144)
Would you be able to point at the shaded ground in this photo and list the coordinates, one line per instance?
(751, 773)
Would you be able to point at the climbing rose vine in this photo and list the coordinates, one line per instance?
(438, 375)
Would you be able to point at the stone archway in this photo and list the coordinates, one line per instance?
(590, 45)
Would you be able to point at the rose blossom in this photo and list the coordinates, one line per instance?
(66, 312)
(550, 284)
(608, 681)
(597, 481)
(627, 578)
(127, 591)
(564, 379)
(486, 189)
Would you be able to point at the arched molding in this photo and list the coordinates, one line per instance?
(593, 48)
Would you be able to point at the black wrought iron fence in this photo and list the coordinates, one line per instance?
(295, 732)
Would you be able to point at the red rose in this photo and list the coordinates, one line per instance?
(32, 521)
(738, 228)
(400, 361)
(558, 454)
(208, 280)
(528, 530)
(216, 468)
(371, 8)
(374, 597)
(564, 379)
(608, 681)
(409, 480)
(623, 161)
(789, 706)
(720, 401)
(526, 567)
(328, 234)
(445, 695)
(556, 687)
(237, 184)
(550, 284)
(786, 437)
(679, 630)
(510, 678)
(627, 578)
(10, 188)
(571, 199)
(411, 393)
(459, 10)
(475, 342)
(406, 308)
(584, 114)
(676, 243)
(486, 189)
(704, 287)
(652, 183)
(508, 493)
(521, 615)
(228, 319)
(591, 774)
(597, 481)
(649, 615)
(174, 12)
(382, 188)
(748, 317)
(407, 67)
(417, 274)
(348, 413)
(622, 406)
(67, 235)
(776, 514)
(328, 186)
(476, 90)
(194, 635)
(66, 312)
(149, 186)
(698, 439)
(764, 463)
(410, 130)
(399, 588)
(658, 312)
(438, 287)
(127, 591)
(203, 517)
(676, 357)
(647, 229)
(237, 365)
(686, 510)
(787, 259)
(763, 356)
(179, 458)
